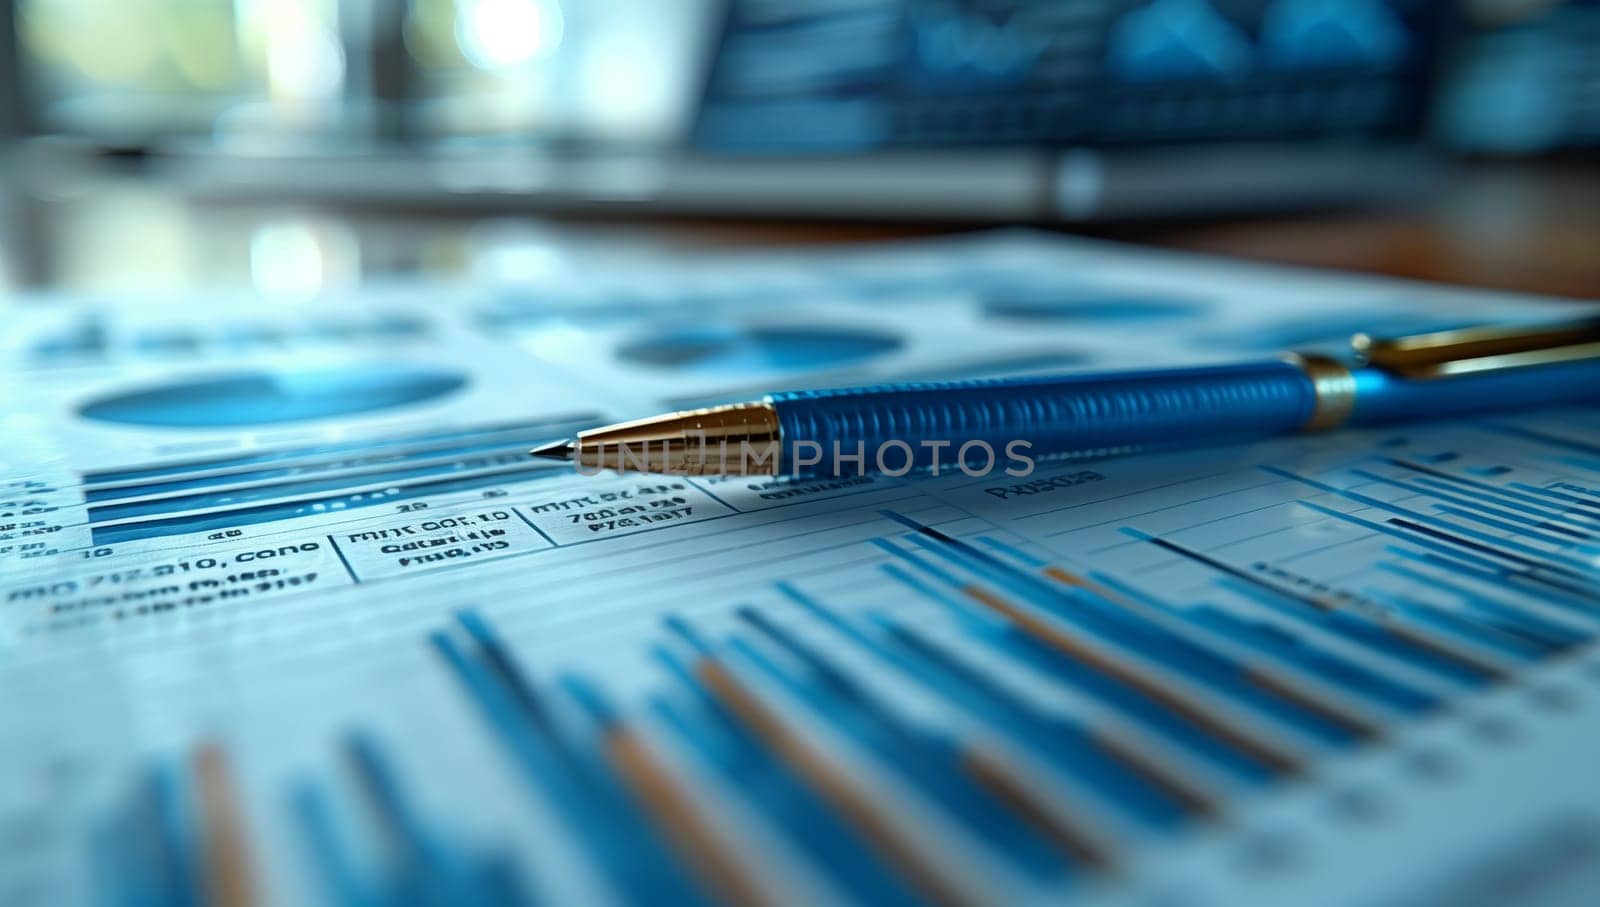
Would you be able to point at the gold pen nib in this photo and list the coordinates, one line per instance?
(556, 450)
(739, 439)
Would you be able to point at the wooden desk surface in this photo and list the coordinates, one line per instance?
(1526, 226)
(1505, 226)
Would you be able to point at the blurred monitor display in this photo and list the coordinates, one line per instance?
(1524, 78)
(844, 75)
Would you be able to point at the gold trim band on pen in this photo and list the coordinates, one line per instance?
(1335, 387)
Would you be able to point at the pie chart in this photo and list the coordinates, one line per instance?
(753, 350)
(1082, 304)
(236, 399)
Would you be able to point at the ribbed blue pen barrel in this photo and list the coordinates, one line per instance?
(899, 427)
(979, 426)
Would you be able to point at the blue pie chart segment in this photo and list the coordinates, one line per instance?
(735, 351)
(239, 399)
(1083, 306)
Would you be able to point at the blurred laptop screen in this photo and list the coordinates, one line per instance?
(847, 75)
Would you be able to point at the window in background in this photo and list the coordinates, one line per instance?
(134, 70)
(485, 65)
(597, 69)
(137, 68)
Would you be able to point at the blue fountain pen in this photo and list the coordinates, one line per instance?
(1008, 423)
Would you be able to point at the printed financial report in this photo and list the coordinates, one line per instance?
(290, 615)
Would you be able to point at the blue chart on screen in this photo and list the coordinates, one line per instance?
(740, 350)
(1176, 39)
(260, 398)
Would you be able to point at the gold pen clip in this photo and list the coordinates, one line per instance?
(1446, 354)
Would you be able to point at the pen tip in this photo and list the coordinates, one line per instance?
(558, 450)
